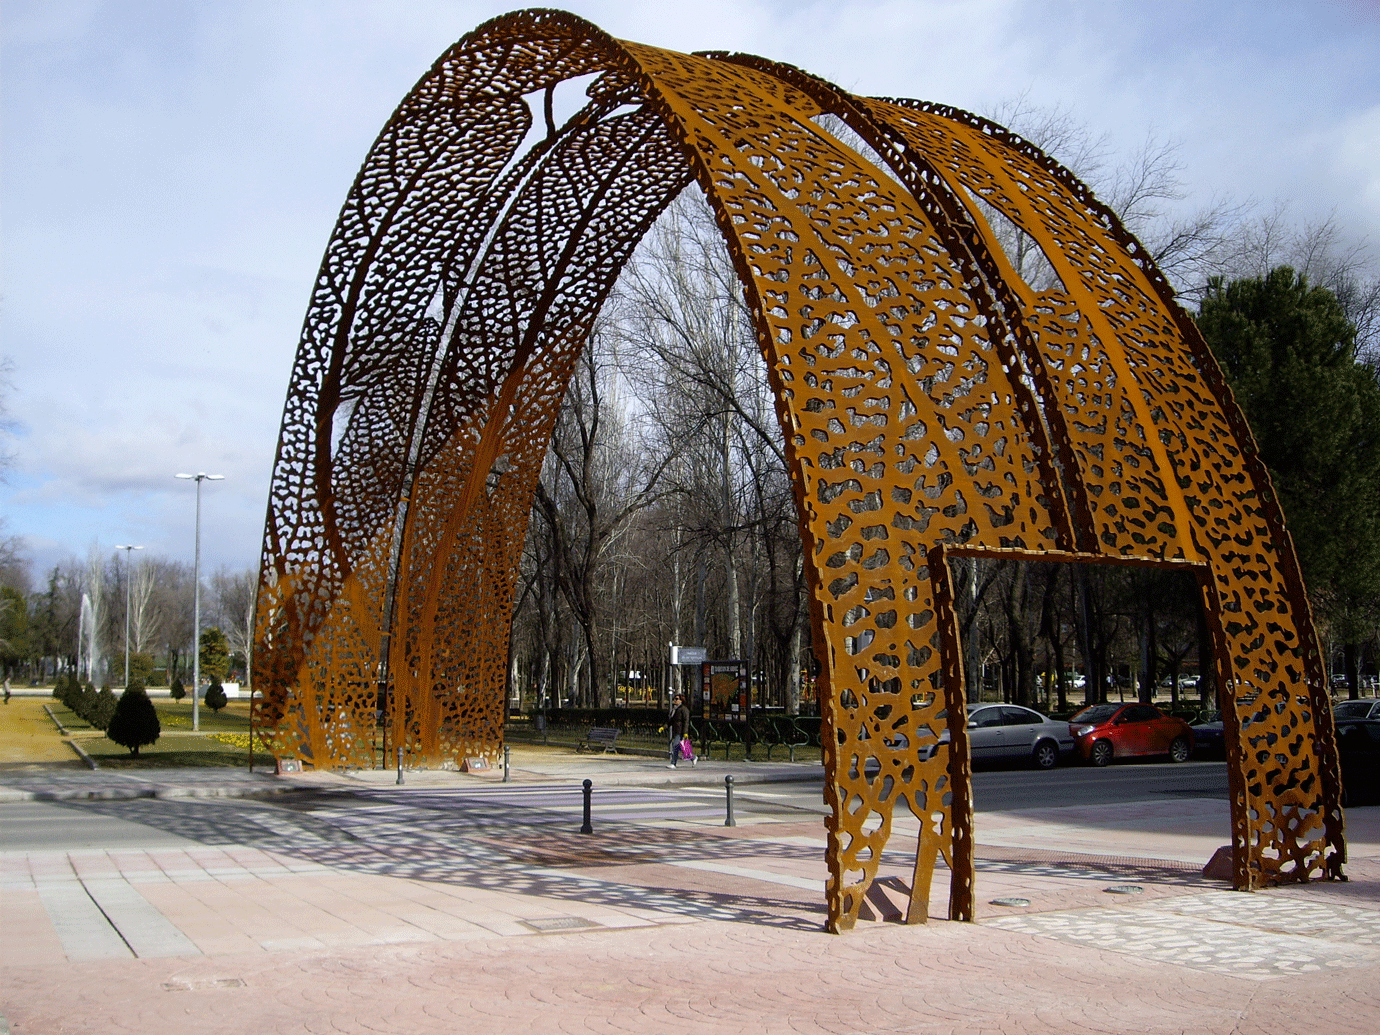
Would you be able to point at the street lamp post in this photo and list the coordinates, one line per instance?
(126, 549)
(196, 597)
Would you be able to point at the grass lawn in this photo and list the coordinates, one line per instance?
(28, 737)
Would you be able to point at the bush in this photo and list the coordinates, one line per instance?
(106, 703)
(215, 697)
(177, 691)
(69, 693)
(135, 722)
(86, 704)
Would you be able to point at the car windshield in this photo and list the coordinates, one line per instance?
(944, 714)
(1096, 713)
(1352, 710)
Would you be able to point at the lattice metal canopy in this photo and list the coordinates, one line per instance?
(932, 402)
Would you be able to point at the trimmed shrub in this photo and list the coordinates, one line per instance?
(106, 702)
(71, 693)
(177, 691)
(135, 722)
(215, 697)
(86, 704)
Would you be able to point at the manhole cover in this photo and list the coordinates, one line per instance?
(559, 923)
(1010, 902)
(1124, 889)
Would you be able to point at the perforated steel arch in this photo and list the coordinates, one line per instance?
(932, 403)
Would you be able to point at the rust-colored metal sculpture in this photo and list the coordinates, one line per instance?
(933, 403)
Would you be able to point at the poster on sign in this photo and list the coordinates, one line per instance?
(725, 689)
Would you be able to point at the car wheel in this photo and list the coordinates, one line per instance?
(1046, 755)
(1179, 751)
(1101, 753)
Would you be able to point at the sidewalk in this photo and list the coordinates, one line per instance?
(456, 902)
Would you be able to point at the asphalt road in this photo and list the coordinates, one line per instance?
(1004, 790)
(37, 826)
(151, 823)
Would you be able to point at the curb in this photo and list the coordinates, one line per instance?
(91, 763)
(10, 794)
(61, 728)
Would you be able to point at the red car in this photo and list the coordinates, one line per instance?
(1106, 731)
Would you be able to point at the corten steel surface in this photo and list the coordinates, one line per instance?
(932, 403)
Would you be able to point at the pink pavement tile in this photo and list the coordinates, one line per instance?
(15, 867)
(48, 865)
(89, 867)
(261, 918)
(207, 926)
(365, 903)
(137, 867)
(27, 937)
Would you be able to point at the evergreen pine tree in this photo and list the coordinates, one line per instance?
(135, 722)
(1289, 354)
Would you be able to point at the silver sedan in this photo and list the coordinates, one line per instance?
(1005, 732)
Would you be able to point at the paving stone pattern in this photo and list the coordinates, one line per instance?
(1215, 932)
(482, 909)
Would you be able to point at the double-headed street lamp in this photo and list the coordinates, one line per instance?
(196, 596)
(126, 549)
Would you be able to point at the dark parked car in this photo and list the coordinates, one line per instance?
(1207, 736)
(1358, 748)
(1107, 731)
(1010, 732)
(1356, 709)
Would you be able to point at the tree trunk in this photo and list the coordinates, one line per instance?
(1083, 631)
(1207, 661)
(1351, 656)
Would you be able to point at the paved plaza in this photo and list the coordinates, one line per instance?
(327, 903)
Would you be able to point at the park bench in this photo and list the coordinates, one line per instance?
(599, 735)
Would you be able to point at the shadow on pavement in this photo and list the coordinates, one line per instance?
(500, 847)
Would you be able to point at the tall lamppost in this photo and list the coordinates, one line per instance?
(196, 598)
(126, 549)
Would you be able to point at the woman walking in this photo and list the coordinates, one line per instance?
(679, 725)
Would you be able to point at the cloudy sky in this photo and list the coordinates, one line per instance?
(172, 170)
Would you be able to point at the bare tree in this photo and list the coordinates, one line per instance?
(233, 595)
(690, 348)
(145, 618)
(596, 479)
(98, 636)
(1145, 188)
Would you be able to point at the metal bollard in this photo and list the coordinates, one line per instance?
(506, 749)
(400, 760)
(588, 828)
(729, 821)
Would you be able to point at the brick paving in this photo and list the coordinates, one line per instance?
(461, 904)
